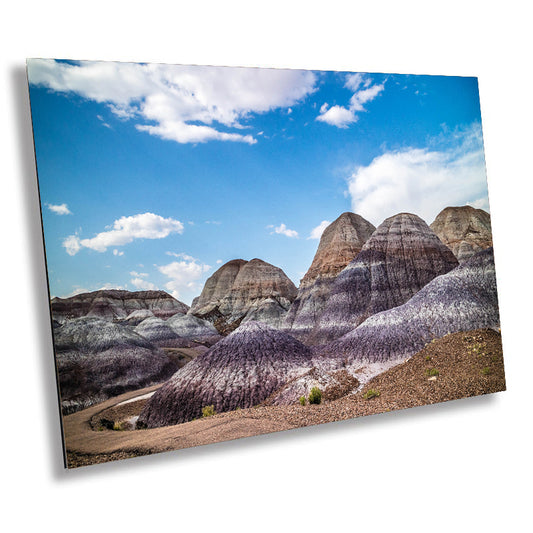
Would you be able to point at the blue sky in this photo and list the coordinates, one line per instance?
(152, 176)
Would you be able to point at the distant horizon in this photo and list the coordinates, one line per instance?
(153, 176)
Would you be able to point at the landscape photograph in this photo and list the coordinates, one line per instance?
(236, 251)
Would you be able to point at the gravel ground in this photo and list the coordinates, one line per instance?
(456, 366)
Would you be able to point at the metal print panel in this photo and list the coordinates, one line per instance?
(238, 251)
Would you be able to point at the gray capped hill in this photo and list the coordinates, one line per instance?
(400, 258)
(464, 299)
(241, 370)
(116, 304)
(240, 288)
(464, 230)
(97, 359)
(340, 243)
(159, 332)
(193, 329)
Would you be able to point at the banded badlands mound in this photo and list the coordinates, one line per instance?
(116, 304)
(244, 289)
(464, 230)
(193, 329)
(400, 257)
(97, 359)
(340, 243)
(464, 299)
(159, 332)
(241, 370)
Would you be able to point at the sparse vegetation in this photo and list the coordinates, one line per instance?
(371, 393)
(106, 424)
(315, 396)
(303, 401)
(486, 371)
(208, 410)
(432, 372)
(118, 426)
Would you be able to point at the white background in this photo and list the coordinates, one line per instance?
(463, 466)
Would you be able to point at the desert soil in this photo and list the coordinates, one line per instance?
(456, 366)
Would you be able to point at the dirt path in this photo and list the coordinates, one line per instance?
(100, 446)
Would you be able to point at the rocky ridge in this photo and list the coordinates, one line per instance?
(464, 230)
(461, 300)
(193, 329)
(241, 370)
(97, 359)
(116, 304)
(400, 258)
(340, 243)
(241, 289)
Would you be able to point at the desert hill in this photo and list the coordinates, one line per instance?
(400, 257)
(464, 230)
(116, 304)
(97, 359)
(340, 243)
(241, 370)
(461, 300)
(241, 289)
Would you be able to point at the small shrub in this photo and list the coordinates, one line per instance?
(106, 423)
(432, 372)
(208, 410)
(486, 371)
(428, 358)
(315, 396)
(303, 401)
(371, 393)
(118, 426)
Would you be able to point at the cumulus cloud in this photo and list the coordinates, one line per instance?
(117, 252)
(143, 284)
(363, 92)
(283, 230)
(186, 104)
(183, 274)
(74, 292)
(136, 274)
(61, 209)
(111, 286)
(316, 233)
(125, 230)
(72, 244)
(449, 172)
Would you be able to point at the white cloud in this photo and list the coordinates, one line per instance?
(72, 244)
(219, 261)
(116, 252)
(283, 230)
(183, 274)
(316, 233)
(449, 172)
(338, 116)
(364, 92)
(61, 209)
(480, 203)
(125, 230)
(215, 222)
(111, 286)
(181, 256)
(180, 103)
(136, 274)
(77, 290)
(143, 284)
